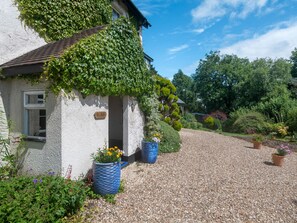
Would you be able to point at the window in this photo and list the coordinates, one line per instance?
(35, 115)
(115, 15)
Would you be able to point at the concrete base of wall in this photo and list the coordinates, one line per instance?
(135, 157)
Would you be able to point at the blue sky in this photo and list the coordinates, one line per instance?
(183, 31)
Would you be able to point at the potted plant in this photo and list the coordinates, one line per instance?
(107, 170)
(257, 141)
(281, 152)
(150, 148)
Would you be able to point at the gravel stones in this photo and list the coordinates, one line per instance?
(214, 178)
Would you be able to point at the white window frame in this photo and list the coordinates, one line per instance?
(27, 107)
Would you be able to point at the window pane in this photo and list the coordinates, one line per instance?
(36, 122)
(115, 14)
(34, 99)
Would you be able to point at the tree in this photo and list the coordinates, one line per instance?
(182, 83)
(294, 63)
(168, 107)
(218, 80)
(184, 90)
(227, 82)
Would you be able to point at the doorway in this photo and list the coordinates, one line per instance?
(115, 122)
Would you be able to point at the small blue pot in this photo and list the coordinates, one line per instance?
(106, 177)
(149, 152)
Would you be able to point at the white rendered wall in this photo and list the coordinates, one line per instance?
(15, 40)
(41, 157)
(82, 135)
(133, 126)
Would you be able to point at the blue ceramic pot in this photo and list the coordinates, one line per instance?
(149, 152)
(106, 177)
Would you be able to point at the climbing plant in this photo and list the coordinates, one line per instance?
(107, 63)
(110, 62)
(57, 19)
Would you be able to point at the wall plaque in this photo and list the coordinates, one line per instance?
(100, 115)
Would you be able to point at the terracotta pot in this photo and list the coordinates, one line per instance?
(257, 145)
(278, 160)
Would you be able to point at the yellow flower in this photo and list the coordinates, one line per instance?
(109, 153)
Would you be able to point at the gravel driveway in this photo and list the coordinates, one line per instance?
(214, 178)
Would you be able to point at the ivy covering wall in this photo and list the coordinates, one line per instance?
(110, 62)
(58, 19)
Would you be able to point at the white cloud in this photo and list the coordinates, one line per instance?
(276, 43)
(198, 30)
(210, 9)
(178, 49)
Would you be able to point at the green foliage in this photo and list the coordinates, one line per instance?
(258, 138)
(292, 87)
(277, 107)
(167, 120)
(168, 107)
(12, 151)
(209, 122)
(39, 199)
(189, 121)
(54, 20)
(250, 122)
(184, 90)
(226, 82)
(292, 119)
(107, 63)
(177, 125)
(170, 141)
(218, 79)
(111, 198)
(294, 63)
(149, 106)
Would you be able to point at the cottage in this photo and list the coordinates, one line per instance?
(62, 131)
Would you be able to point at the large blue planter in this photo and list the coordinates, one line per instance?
(149, 152)
(106, 177)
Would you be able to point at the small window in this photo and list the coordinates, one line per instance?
(115, 15)
(35, 115)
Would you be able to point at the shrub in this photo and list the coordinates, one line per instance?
(189, 117)
(209, 122)
(177, 125)
(169, 109)
(250, 122)
(219, 115)
(292, 120)
(277, 108)
(217, 124)
(171, 139)
(195, 125)
(167, 120)
(189, 121)
(39, 199)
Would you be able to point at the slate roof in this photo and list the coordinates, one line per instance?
(33, 61)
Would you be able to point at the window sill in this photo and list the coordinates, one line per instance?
(37, 139)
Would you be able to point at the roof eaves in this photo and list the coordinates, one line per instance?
(136, 11)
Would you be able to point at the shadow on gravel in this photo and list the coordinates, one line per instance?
(250, 147)
(269, 163)
(294, 202)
